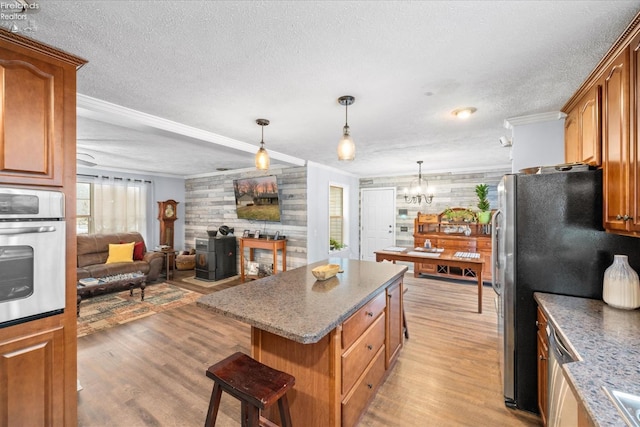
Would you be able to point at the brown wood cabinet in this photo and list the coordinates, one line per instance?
(543, 356)
(583, 142)
(618, 185)
(616, 80)
(38, 149)
(432, 228)
(394, 329)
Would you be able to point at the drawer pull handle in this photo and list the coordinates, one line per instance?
(370, 313)
(370, 347)
(542, 357)
(370, 385)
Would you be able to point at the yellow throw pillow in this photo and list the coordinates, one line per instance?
(120, 253)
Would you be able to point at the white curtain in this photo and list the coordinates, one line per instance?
(120, 205)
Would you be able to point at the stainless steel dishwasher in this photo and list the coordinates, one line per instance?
(563, 406)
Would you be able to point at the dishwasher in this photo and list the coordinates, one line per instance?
(563, 406)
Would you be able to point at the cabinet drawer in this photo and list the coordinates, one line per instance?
(469, 245)
(355, 325)
(483, 244)
(357, 357)
(426, 268)
(355, 403)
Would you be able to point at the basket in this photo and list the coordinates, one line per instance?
(185, 262)
(326, 271)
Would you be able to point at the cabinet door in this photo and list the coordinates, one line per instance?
(32, 386)
(615, 120)
(589, 127)
(543, 364)
(31, 120)
(571, 140)
(633, 223)
(394, 322)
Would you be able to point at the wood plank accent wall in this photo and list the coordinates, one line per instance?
(450, 190)
(210, 203)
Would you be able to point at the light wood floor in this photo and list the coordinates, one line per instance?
(151, 372)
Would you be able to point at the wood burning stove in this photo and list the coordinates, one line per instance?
(216, 258)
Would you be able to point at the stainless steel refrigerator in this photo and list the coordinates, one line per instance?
(547, 237)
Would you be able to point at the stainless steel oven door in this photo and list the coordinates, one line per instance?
(32, 269)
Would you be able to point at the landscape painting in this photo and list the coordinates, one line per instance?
(257, 198)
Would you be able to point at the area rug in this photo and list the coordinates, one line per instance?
(108, 310)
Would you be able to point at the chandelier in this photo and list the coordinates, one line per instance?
(415, 192)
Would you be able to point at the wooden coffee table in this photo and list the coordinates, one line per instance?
(104, 287)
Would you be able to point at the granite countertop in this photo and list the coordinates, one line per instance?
(294, 305)
(607, 343)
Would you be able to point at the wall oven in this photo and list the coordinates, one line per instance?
(32, 254)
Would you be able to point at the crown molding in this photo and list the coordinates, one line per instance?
(533, 118)
(107, 112)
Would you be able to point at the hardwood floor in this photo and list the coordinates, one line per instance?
(151, 372)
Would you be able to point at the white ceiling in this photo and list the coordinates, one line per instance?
(210, 69)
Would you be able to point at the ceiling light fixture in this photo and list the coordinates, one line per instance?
(262, 157)
(346, 147)
(464, 113)
(414, 194)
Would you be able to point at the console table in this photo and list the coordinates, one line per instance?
(268, 244)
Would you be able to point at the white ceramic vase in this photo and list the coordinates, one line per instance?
(621, 287)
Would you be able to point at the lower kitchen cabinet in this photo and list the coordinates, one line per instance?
(394, 327)
(543, 364)
(32, 378)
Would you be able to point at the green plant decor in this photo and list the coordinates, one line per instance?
(482, 191)
(334, 245)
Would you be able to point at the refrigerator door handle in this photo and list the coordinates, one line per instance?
(495, 284)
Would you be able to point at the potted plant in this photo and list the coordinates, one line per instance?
(482, 191)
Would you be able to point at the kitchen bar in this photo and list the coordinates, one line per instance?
(337, 337)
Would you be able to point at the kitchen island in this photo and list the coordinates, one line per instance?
(338, 337)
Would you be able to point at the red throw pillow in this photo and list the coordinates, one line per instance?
(138, 251)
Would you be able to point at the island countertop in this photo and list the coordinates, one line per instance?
(607, 341)
(294, 305)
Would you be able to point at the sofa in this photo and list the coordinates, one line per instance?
(93, 251)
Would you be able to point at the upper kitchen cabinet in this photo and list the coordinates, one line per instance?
(582, 129)
(603, 118)
(37, 110)
(618, 182)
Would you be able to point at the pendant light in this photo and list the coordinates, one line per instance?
(346, 147)
(262, 157)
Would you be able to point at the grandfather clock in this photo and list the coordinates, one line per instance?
(167, 212)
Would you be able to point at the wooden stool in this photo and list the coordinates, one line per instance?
(257, 386)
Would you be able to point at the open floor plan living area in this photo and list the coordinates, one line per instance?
(319, 214)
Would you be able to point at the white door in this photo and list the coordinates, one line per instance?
(377, 221)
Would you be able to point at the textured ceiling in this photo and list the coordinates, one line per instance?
(213, 68)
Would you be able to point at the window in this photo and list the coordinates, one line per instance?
(83, 208)
(111, 205)
(336, 218)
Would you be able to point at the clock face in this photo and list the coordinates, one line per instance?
(169, 212)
